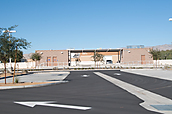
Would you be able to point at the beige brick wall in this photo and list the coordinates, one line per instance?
(62, 55)
(135, 54)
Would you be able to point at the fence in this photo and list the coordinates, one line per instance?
(53, 64)
(19, 65)
(153, 63)
(138, 63)
(30, 65)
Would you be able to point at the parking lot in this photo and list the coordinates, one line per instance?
(92, 92)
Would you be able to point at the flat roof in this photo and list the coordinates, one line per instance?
(97, 50)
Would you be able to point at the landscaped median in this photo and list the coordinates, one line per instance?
(32, 80)
(28, 84)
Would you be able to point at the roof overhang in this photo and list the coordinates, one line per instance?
(93, 50)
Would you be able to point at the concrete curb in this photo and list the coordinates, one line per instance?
(29, 86)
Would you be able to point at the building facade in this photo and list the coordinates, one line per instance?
(137, 55)
(53, 57)
(84, 57)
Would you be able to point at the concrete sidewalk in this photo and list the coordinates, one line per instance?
(47, 78)
(155, 73)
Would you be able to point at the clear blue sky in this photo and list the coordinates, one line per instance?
(88, 24)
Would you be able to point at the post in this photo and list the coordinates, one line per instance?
(5, 70)
(118, 56)
(15, 64)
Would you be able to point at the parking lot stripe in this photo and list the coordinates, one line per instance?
(150, 99)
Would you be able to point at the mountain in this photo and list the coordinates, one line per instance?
(163, 47)
(27, 56)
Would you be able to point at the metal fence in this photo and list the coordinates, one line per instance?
(53, 64)
(142, 64)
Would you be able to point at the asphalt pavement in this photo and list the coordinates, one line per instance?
(84, 89)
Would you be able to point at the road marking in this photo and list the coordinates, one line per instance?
(117, 74)
(47, 103)
(151, 100)
(85, 76)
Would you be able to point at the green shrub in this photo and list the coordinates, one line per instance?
(25, 71)
(16, 80)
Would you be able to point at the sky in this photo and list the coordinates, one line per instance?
(88, 24)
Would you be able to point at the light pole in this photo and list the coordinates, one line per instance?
(170, 19)
(9, 31)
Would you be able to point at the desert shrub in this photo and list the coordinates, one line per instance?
(16, 80)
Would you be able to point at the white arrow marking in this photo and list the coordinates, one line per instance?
(47, 103)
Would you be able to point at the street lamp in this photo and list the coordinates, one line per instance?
(170, 19)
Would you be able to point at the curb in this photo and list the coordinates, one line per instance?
(29, 86)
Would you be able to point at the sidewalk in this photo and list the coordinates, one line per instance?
(35, 80)
(161, 74)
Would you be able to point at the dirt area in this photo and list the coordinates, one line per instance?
(22, 84)
(19, 84)
(10, 74)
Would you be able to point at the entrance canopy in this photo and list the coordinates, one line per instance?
(119, 51)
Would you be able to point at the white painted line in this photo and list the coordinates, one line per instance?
(148, 97)
(117, 74)
(85, 76)
(47, 103)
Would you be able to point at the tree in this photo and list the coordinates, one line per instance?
(77, 60)
(19, 56)
(9, 45)
(156, 54)
(36, 57)
(97, 57)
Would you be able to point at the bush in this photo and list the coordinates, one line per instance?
(16, 80)
(166, 67)
(25, 71)
(140, 68)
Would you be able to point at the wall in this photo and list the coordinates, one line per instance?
(135, 54)
(62, 55)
